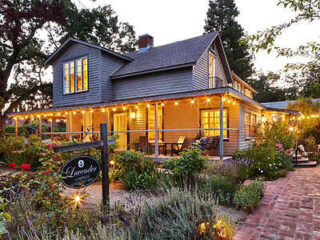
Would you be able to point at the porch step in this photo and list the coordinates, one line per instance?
(300, 160)
(307, 164)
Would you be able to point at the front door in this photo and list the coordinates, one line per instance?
(120, 124)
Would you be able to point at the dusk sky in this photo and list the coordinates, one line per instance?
(171, 20)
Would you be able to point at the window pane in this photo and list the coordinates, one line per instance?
(66, 78)
(79, 75)
(72, 77)
(85, 74)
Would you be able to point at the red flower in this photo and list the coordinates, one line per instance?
(49, 145)
(12, 165)
(46, 172)
(25, 166)
(54, 158)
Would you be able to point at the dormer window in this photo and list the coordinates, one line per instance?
(75, 75)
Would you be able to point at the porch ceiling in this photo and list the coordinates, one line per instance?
(229, 91)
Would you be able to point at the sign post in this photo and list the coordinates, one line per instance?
(83, 177)
(105, 167)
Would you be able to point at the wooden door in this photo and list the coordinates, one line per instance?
(120, 124)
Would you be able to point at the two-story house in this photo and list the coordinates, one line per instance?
(156, 95)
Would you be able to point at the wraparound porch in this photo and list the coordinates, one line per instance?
(156, 125)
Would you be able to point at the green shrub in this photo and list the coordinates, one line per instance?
(176, 215)
(5, 217)
(135, 171)
(263, 160)
(185, 168)
(248, 197)
(222, 189)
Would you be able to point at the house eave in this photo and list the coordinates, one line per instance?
(163, 97)
(53, 56)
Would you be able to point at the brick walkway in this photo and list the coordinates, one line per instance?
(290, 209)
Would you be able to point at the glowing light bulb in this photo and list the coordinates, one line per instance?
(208, 100)
(192, 101)
(148, 105)
(103, 110)
(162, 104)
(291, 129)
(137, 106)
(114, 109)
(176, 103)
(112, 162)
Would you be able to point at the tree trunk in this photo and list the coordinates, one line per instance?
(3, 119)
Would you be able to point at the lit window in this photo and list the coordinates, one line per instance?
(211, 119)
(76, 75)
(250, 122)
(211, 70)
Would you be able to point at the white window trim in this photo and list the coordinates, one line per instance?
(75, 60)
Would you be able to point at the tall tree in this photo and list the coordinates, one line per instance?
(221, 16)
(31, 30)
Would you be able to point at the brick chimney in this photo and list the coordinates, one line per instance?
(145, 41)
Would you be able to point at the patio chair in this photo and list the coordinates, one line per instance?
(142, 145)
(209, 144)
(176, 147)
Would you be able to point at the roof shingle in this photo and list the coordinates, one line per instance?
(166, 56)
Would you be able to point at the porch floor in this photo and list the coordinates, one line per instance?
(162, 157)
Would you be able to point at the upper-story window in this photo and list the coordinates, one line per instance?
(75, 75)
(237, 86)
(211, 70)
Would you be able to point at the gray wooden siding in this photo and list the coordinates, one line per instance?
(200, 76)
(94, 93)
(174, 81)
(109, 65)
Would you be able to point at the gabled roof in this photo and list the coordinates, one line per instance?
(70, 40)
(174, 55)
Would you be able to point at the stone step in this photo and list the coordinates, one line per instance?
(307, 164)
(300, 160)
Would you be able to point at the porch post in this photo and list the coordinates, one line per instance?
(40, 127)
(156, 148)
(221, 151)
(51, 130)
(16, 120)
(70, 126)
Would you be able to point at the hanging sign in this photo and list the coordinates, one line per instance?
(80, 171)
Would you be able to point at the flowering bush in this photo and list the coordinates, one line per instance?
(25, 167)
(266, 161)
(12, 165)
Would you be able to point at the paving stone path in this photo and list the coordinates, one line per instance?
(290, 209)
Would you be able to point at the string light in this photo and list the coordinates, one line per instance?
(114, 109)
(208, 100)
(162, 104)
(176, 103)
(223, 99)
(192, 101)
(103, 110)
(137, 106)
(148, 105)
(124, 108)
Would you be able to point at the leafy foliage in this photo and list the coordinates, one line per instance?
(135, 171)
(185, 168)
(30, 31)
(248, 197)
(221, 16)
(307, 73)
